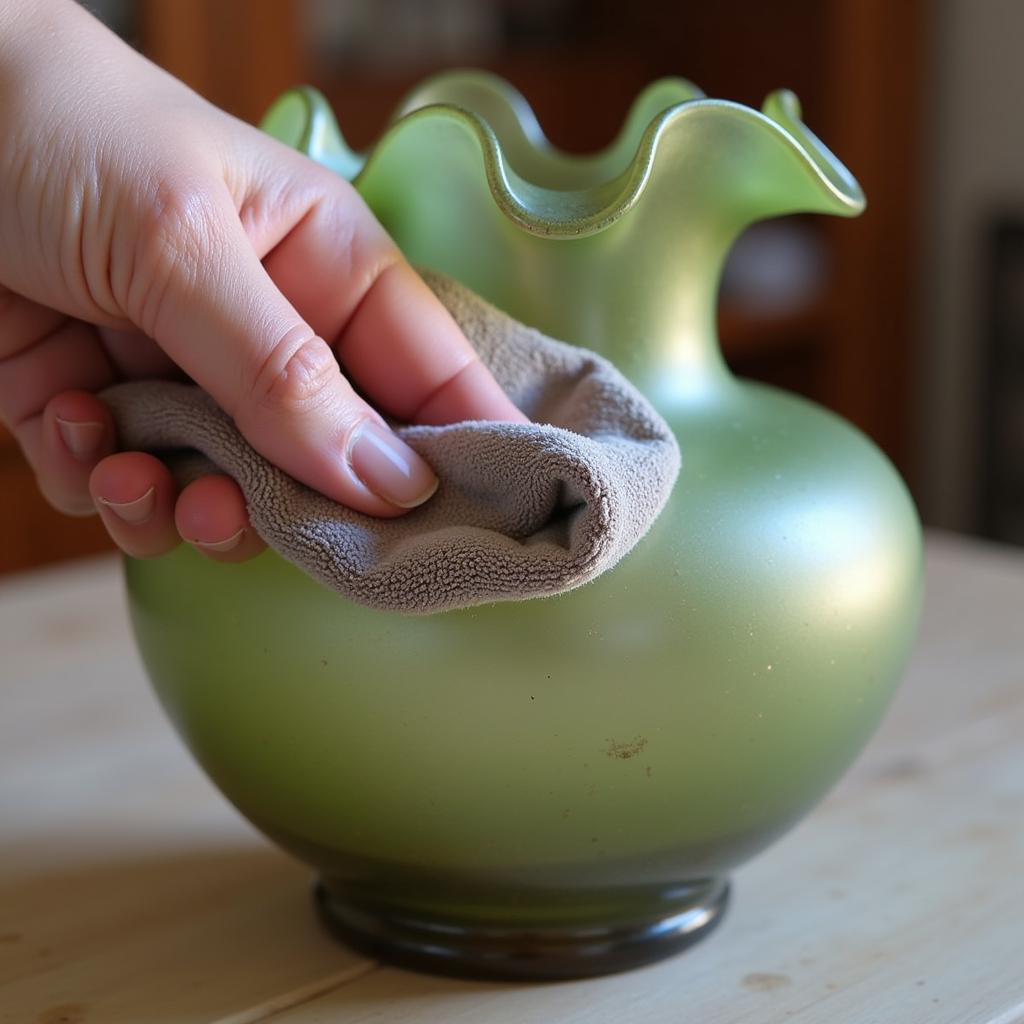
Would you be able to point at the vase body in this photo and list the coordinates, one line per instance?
(560, 786)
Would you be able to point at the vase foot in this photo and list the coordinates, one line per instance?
(471, 949)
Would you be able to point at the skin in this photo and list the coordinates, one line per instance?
(145, 233)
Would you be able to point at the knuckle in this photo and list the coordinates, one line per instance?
(181, 216)
(179, 228)
(300, 373)
(360, 247)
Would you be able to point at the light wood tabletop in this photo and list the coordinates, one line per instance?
(132, 893)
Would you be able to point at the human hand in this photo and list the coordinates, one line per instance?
(145, 233)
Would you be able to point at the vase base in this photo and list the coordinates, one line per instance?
(516, 952)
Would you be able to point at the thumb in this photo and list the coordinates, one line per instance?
(210, 304)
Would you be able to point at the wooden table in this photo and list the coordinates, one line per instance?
(130, 892)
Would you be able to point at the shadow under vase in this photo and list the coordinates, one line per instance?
(597, 916)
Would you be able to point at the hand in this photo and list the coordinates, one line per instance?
(145, 233)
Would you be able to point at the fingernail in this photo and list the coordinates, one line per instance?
(220, 546)
(134, 512)
(81, 439)
(389, 467)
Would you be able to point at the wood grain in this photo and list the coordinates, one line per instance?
(130, 893)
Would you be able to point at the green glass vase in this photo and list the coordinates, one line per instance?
(560, 787)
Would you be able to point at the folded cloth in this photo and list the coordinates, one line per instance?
(522, 510)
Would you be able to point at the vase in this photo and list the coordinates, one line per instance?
(560, 787)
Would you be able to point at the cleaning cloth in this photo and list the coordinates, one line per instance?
(522, 510)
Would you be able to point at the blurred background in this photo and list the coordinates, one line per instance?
(908, 321)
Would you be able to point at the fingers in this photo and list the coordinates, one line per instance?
(135, 495)
(43, 353)
(77, 432)
(210, 514)
(69, 438)
(218, 314)
(48, 365)
(65, 355)
(146, 517)
(339, 268)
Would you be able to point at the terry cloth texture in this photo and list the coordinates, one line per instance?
(522, 510)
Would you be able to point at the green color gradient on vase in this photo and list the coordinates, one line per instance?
(571, 757)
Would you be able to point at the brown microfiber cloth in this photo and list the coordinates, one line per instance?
(522, 510)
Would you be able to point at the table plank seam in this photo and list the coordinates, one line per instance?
(296, 997)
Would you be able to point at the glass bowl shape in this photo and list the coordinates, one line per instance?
(560, 787)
